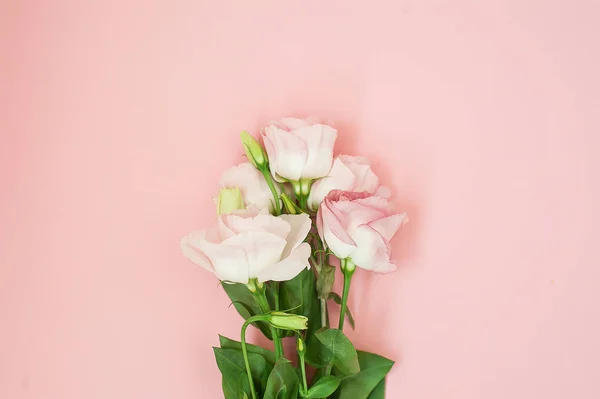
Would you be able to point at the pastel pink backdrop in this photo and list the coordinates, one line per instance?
(118, 117)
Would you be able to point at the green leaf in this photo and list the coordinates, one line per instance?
(317, 354)
(374, 368)
(298, 296)
(283, 382)
(246, 304)
(232, 367)
(323, 387)
(339, 350)
(337, 299)
(244, 387)
(379, 391)
(227, 343)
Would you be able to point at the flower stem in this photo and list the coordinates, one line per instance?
(303, 369)
(269, 179)
(265, 308)
(323, 312)
(348, 269)
(245, 351)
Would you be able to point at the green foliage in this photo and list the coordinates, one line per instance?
(369, 383)
(246, 305)
(338, 350)
(324, 387)
(227, 343)
(231, 365)
(299, 296)
(283, 382)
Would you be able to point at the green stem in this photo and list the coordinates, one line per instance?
(265, 172)
(245, 351)
(303, 199)
(323, 312)
(348, 270)
(303, 368)
(264, 306)
(276, 293)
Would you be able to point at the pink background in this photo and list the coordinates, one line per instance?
(118, 116)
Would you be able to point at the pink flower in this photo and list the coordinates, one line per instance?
(248, 244)
(359, 227)
(299, 149)
(349, 174)
(252, 184)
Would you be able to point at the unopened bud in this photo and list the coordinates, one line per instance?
(286, 321)
(300, 347)
(289, 205)
(230, 199)
(254, 151)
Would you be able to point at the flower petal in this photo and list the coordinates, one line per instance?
(263, 223)
(376, 202)
(261, 249)
(340, 177)
(190, 246)
(336, 237)
(251, 183)
(366, 179)
(355, 214)
(230, 263)
(388, 226)
(291, 153)
(373, 251)
(300, 226)
(295, 123)
(289, 267)
(319, 140)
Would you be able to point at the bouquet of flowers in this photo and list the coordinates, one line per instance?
(287, 219)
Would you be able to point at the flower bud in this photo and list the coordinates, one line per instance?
(230, 199)
(254, 151)
(289, 205)
(286, 321)
(300, 347)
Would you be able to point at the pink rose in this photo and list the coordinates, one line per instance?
(252, 184)
(359, 227)
(248, 244)
(349, 174)
(299, 149)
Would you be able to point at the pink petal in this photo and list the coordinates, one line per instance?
(262, 223)
(319, 140)
(291, 153)
(336, 237)
(300, 226)
(230, 263)
(190, 246)
(340, 177)
(261, 249)
(289, 267)
(388, 226)
(373, 251)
